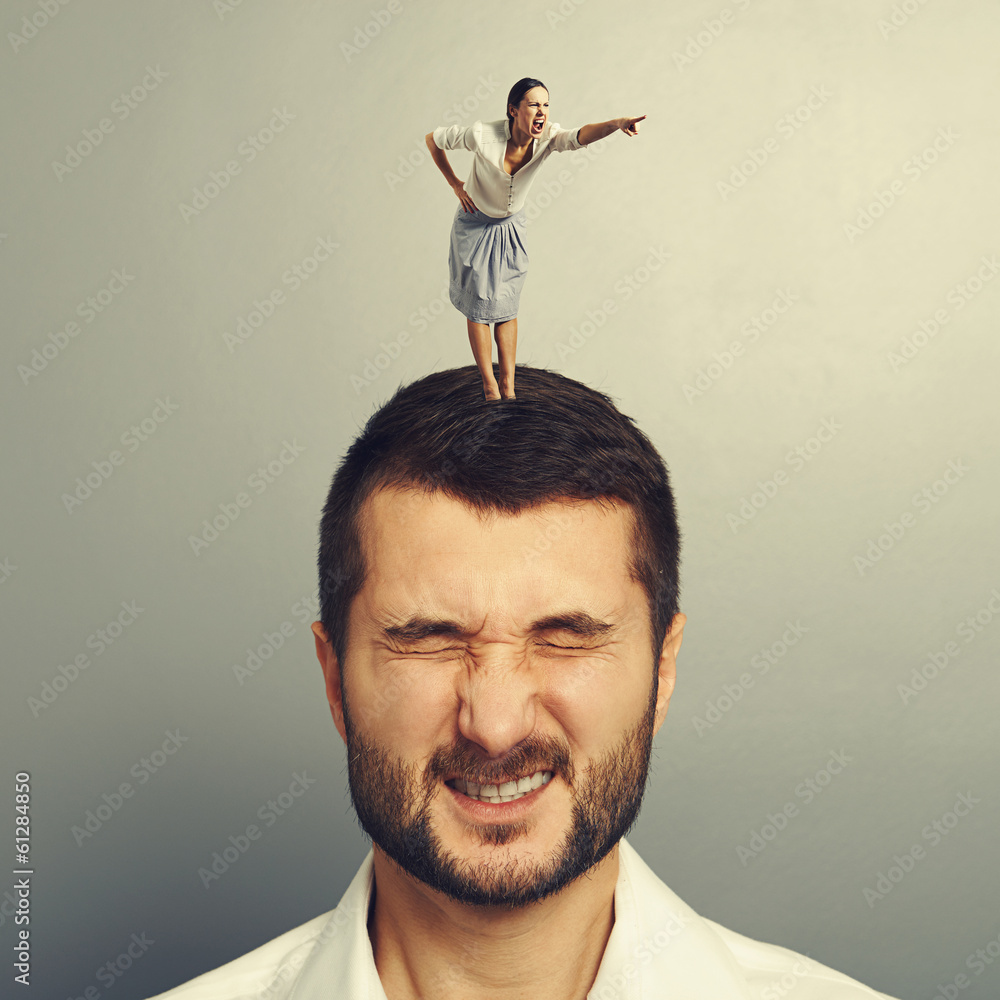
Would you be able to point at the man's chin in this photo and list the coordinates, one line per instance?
(506, 848)
(501, 879)
(481, 868)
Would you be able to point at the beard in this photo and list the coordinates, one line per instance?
(392, 800)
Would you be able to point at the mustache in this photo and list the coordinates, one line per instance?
(536, 753)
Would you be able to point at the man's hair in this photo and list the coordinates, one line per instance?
(518, 91)
(558, 440)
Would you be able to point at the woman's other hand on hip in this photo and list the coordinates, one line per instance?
(464, 197)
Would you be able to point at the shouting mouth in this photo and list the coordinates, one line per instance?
(537, 125)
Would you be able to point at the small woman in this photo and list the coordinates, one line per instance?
(487, 260)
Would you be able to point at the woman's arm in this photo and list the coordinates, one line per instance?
(591, 133)
(439, 156)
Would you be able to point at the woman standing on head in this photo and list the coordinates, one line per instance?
(487, 260)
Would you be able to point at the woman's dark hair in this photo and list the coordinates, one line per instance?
(518, 91)
(559, 440)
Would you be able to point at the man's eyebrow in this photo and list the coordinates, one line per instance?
(415, 629)
(577, 623)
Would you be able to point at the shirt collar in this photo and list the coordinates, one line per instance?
(659, 947)
(342, 963)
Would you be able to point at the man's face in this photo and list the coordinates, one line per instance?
(496, 698)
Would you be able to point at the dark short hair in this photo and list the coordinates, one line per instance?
(518, 91)
(558, 440)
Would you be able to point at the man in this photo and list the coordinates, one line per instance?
(499, 635)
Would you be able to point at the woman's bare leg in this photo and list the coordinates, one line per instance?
(482, 351)
(506, 337)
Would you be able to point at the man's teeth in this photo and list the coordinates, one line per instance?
(507, 792)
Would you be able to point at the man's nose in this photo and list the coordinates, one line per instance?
(498, 706)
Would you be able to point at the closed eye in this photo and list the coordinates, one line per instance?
(428, 652)
(563, 647)
(574, 630)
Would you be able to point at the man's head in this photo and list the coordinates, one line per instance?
(497, 584)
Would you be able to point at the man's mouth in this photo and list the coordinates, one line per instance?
(509, 791)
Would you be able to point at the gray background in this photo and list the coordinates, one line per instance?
(338, 170)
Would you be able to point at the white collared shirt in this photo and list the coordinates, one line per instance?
(492, 189)
(659, 949)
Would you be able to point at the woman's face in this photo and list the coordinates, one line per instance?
(533, 111)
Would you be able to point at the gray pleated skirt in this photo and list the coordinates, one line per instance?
(487, 264)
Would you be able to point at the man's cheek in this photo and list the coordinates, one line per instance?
(589, 697)
(574, 684)
(385, 701)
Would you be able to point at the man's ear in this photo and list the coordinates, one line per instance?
(331, 671)
(667, 669)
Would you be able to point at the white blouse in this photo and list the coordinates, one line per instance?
(494, 191)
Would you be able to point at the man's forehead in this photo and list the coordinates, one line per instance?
(433, 564)
(426, 550)
(397, 505)
(431, 533)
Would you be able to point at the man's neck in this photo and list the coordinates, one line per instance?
(427, 945)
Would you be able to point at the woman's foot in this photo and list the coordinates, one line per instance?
(491, 390)
(507, 388)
